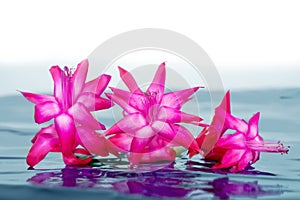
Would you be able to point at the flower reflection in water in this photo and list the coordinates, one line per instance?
(224, 188)
(167, 182)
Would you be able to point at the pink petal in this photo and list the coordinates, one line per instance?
(113, 149)
(257, 139)
(129, 123)
(137, 101)
(245, 159)
(129, 81)
(212, 135)
(141, 139)
(94, 142)
(73, 160)
(231, 158)
(178, 98)
(253, 126)
(93, 102)
(166, 136)
(45, 111)
(49, 130)
(58, 76)
(79, 77)
(38, 98)
(158, 83)
(184, 137)
(216, 154)
(171, 115)
(232, 141)
(225, 104)
(82, 116)
(123, 102)
(159, 142)
(77, 140)
(45, 142)
(200, 139)
(218, 123)
(221, 121)
(65, 128)
(121, 141)
(164, 154)
(144, 132)
(98, 85)
(255, 156)
(164, 130)
(139, 145)
(236, 123)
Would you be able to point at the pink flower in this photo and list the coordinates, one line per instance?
(236, 151)
(210, 135)
(150, 126)
(70, 107)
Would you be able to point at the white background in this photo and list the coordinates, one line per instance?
(254, 44)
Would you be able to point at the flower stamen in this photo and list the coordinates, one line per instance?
(268, 147)
(69, 71)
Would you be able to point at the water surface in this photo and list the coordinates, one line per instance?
(274, 176)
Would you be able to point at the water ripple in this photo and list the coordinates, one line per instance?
(167, 182)
(17, 132)
(12, 158)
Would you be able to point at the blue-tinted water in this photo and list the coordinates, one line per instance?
(274, 176)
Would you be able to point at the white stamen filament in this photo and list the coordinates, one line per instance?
(268, 147)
